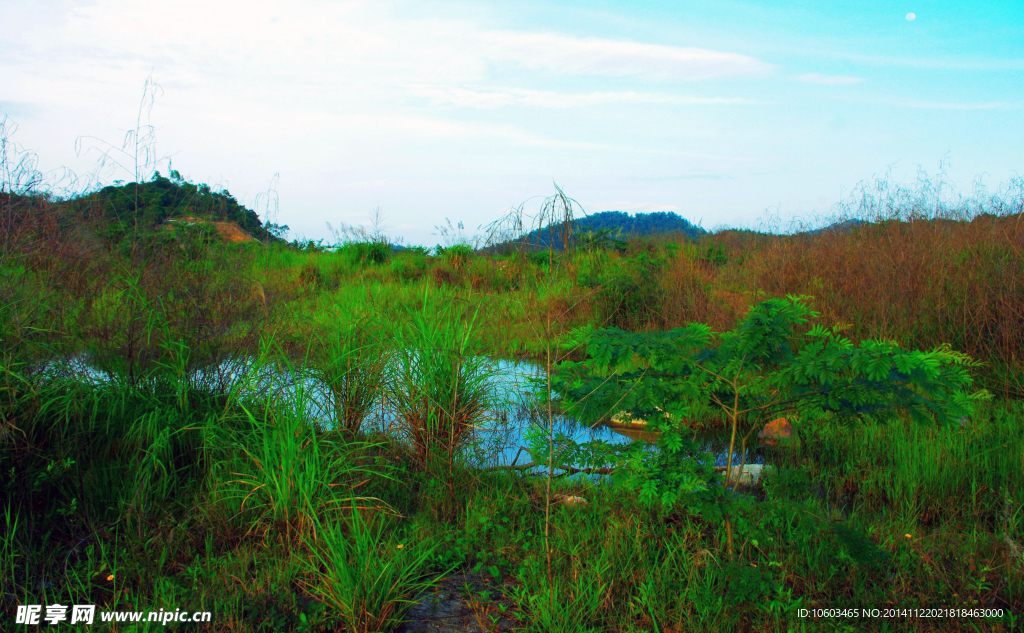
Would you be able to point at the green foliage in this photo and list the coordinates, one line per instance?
(570, 606)
(604, 225)
(859, 548)
(148, 204)
(364, 574)
(439, 384)
(311, 276)
(763, 368)
(351, 361)
(409, 265)
(745, 583)
(456, 256)
(292, 475)
(378, 253)
(714, 254)
(601, 238)
(626, 290)
(365, 253)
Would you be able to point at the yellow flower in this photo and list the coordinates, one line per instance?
(907, 535)
(401, 546)
(110, 577)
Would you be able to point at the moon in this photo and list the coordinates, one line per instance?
(911, 17)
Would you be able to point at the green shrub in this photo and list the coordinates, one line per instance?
(409, 266)
(365, 253)
(627, 290)
(456, 256)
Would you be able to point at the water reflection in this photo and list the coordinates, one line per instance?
(499, 439)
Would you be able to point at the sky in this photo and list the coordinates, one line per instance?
(724, 112)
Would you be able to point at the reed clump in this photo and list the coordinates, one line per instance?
(439, 383)
(352, 361)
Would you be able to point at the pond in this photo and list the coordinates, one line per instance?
(498, 441)
(501, 439)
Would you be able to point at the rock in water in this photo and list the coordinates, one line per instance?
(751, 475)
(778, 431)
(570, 500)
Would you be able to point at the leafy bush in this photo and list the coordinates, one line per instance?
(627, 290)
(760, 370)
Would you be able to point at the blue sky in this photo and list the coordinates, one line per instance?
(432, 110)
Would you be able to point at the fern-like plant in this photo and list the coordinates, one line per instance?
(774, 363)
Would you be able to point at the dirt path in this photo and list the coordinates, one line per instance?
(464, 601)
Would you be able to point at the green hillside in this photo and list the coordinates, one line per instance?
(149, 204)
(609, 225)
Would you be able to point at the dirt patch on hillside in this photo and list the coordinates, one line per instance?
(228, 230)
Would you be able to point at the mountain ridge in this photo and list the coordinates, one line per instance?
(613, 224)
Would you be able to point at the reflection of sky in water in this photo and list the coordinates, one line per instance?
(497, 441)
(502, 437)
(514, 384)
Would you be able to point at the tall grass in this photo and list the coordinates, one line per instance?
(367, 576)
(352, 361)
(292, 474)
(439, 388)
(935, 475)
(439, 383)
(918, 270)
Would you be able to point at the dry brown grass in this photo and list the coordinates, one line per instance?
(922, 282)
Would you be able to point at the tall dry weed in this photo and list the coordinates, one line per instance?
(913, 268)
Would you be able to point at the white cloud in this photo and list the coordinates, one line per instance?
(938, 63)
(829, 80)
(565, 54)
(402, 128)
(502, 97)
(341, 57)
(343, 47)
(936, 105)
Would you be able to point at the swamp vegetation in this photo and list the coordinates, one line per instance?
(171, 473)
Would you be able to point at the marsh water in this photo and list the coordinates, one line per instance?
(499, 439)
(517, 384)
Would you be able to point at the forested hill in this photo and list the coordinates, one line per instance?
(639, 224)
(621, 224)
(152, 203)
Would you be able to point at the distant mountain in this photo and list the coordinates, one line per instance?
(620, 224)
(840, 227)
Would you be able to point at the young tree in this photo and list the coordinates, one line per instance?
(772, 364)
